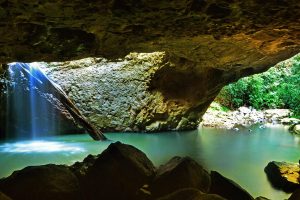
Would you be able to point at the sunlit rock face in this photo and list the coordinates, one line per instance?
(143, 92)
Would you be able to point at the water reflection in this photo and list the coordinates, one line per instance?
(40, 146)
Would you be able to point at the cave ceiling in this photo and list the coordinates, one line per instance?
(227, 35)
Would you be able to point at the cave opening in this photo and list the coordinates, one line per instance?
(145, 72)
(149, 92)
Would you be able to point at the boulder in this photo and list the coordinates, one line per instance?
(295, 195)
(4, 197)
(273, 115)
(244, 110)
(190, 194)
(296, 129)
(180, 173)
(290, 121)
(118, 173)
(227, 188)
(45, 182)
(283, 175)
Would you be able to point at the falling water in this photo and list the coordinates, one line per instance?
(29, 105)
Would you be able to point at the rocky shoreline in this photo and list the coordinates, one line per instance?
(246, 117)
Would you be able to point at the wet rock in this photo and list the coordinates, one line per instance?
(118, 173)
(295, 195)
(227, 188)
(46, 182)
(190, 194)
(4, 197)
(180, 173)
(283, 175)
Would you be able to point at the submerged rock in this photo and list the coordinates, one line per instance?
(227, 188)
(190, 194)
(45, 182)
(118, 173)
(180, 173)
(283, 175)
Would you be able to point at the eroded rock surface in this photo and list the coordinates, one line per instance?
(143, 92)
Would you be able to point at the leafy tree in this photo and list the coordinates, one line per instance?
(279, 87)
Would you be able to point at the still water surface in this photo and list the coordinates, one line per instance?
(240, 156)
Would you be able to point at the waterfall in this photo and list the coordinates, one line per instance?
(30, 109)
(35, 106)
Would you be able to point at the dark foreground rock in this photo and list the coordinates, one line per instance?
(283, 175)
(120, 172)
(180, 173)
(190, 194)
(4, 197)
(45, 182)
(227, 188)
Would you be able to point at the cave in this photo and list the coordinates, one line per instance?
(144, 73)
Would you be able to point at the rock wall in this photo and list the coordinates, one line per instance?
(143, 92)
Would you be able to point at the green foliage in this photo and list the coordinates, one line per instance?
(279, 87)
(218, 107)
